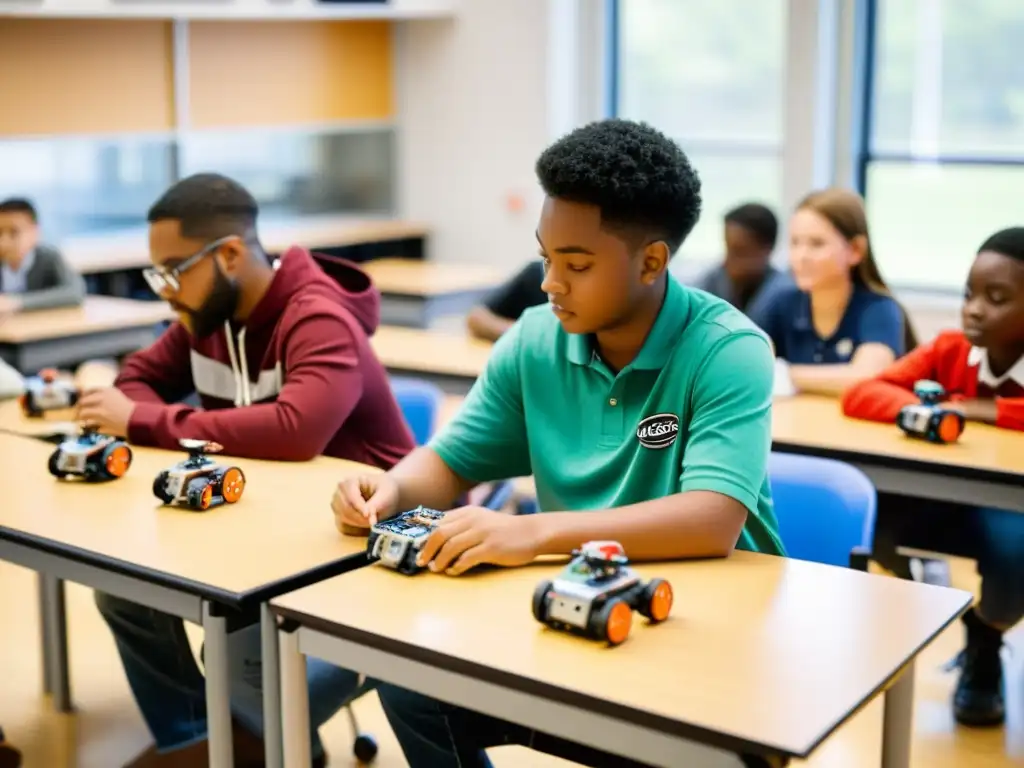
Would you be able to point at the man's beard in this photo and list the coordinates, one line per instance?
(218, 308)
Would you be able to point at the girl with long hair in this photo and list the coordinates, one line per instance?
(840, 323)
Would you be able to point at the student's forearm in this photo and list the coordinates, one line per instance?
(424, 479)
(486, 325)
(825, 379)
(684, 525)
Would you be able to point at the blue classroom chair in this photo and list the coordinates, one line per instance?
(420, 402)
(826, 509)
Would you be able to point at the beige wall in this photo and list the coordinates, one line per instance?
(472, 111)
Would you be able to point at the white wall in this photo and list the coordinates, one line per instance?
(472, 116)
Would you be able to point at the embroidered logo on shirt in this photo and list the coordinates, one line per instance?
(658, 431)
(844, 347)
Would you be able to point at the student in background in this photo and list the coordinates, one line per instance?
(503, 307)
(982, 371)
(282, 363)
(32, 276)
(9, 756)
(622, 342)
(746, 278)
(839, 323)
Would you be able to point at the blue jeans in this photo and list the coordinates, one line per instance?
(994, 538)
(434, 734)
(171, 691)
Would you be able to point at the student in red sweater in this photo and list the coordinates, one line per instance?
(281, 361)
(982, 369)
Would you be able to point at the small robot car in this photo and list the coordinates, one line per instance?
(91, 456)
(199, 482)
(929, 420)
(397, 541)
(596, 594)
(47, 392)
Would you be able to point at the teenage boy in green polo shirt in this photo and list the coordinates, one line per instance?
(642, 408)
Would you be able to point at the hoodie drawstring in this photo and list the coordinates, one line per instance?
(239, 366)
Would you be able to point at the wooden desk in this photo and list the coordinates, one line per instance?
(450, 360)
(212, 568)
(762, 655)
(986, 467)
(415, 292)
(130, 250)
(101, 327)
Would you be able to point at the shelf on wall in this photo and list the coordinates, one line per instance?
(227, 10)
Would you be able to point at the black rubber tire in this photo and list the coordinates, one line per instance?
(540, 601)
(159, 486)
(52, 465)
(365, 748)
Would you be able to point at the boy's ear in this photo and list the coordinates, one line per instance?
(231, 256)
(655, 261)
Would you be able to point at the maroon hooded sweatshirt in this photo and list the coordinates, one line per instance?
(297, 380)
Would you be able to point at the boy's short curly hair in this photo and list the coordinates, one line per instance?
(1008, 242)
(640, 179)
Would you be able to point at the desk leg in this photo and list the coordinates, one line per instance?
(218, 689)
(294, 702)
(271, 689)
(898, 720)
(53, 621)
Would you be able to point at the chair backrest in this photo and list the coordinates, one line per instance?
(825, 508)
(420, 402)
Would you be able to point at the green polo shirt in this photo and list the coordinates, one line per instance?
(692, 412)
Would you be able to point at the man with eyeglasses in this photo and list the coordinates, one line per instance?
(281, 361)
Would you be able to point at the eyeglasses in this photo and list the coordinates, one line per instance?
(161, 279)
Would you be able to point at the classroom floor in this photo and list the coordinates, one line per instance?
(107, 731)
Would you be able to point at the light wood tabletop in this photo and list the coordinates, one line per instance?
(817, 422)
(414, 277)
(767, 650)
(417, 349)
(97, 314)
(282, 526)
(130, 250)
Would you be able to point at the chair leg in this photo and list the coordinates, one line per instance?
(364, 746)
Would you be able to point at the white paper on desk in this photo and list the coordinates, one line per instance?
(782, 385)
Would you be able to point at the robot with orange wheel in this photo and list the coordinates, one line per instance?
(91, 456)
(929, 420)
(199, 482)
(47, 392)
(597, 592)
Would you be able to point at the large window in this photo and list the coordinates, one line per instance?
(711, 75)
(943, 165)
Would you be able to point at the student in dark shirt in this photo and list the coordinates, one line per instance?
(503, 307)
(838, 323)
(32, 275)
(746, 277)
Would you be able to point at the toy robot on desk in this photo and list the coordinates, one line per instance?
(597, 592)
(47, 392)
(929, 420)
(199, 482)
(91, 456)
(396, 542)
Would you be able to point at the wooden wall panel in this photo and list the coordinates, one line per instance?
(288, 73)
(85, 76)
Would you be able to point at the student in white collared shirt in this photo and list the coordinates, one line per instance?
(982, 370)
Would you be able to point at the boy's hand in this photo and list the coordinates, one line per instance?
(980, 410)
(362, 500)
(108, 409)
(470, 536)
